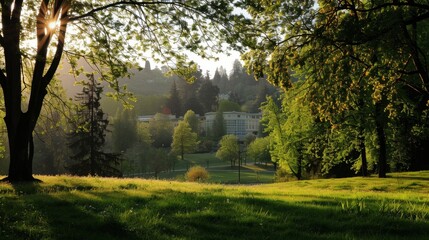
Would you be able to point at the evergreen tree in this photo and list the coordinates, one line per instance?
(222, 80)
(208, 96)
(147, 67)
(218, 129)
(124, 133)
(216, 78)
(193, 104)
(88, 138)
(188, 89)
(174, 103)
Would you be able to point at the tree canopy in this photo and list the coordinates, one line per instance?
(184, 139)
(366, 55)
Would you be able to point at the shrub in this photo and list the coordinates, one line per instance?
(282, 175)
(197, 174)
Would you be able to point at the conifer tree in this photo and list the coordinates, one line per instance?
(174, 103)
(88, 139)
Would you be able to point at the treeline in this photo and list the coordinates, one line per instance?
(157, 93)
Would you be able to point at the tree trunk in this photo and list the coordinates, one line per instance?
(364, 166)
(299, 171)
(21, 151)
(381, 136)
(299, 163)
(20, 126)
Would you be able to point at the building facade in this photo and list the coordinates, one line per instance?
(237, 123)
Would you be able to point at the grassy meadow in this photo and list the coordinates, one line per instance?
(67, 207)
(220, 171)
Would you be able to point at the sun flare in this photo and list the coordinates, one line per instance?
(52, 25)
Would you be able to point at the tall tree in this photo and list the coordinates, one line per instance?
(218, 129)
(88, 139)
(192, 120)
(161, 130)
(193, 104)
(184, 140)
(124, 132)
(109, 35)
(174, 102)
(188, 90)
(339, 46)
(208, 96)
(220, 79)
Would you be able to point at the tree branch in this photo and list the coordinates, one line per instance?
(16, 13)
(3, 79)
(123, 3)
(384, 5)
(60, 45)
(1, 41)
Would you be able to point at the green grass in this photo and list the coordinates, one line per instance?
(202, 159)
(220, 171)
(103, 208)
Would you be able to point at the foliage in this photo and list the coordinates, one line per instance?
(228, 106)
(51, 149)
(208, 96)
(88, 139)
(296, 139)
(359, 56)
(220, 79)
(249, 138)
(259, 150)
(161, 130)
(184, 139)
(197, 174)
(174, 102)
(229, 149)
(137, 158)
(192, 120)
(219, 129)
(124, 133)
(159, 160)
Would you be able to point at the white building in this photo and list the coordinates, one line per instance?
(236, 123)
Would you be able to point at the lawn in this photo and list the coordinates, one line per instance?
(67, 207)
(220, 171)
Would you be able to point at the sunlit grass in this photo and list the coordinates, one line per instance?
(220, 171)
(67, 207)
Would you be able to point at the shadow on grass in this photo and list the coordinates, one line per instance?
(171, 214)
(47, 216)
(247, 217)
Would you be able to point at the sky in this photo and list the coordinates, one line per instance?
(224, 60)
